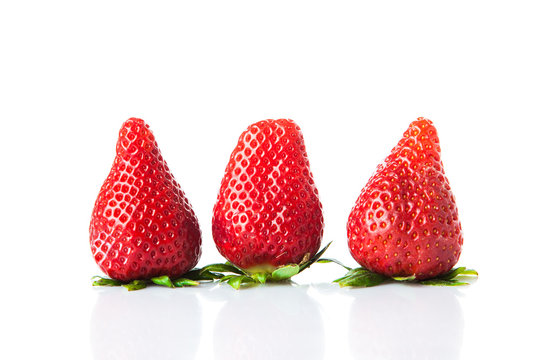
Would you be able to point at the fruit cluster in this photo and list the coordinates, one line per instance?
(268, 219)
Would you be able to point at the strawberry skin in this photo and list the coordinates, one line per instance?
(142, 225)
(268, 211)
(405, 221)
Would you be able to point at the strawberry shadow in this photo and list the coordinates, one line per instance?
(401, 321)
(153, 323)
(274, 321)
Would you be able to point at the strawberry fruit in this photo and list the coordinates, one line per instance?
(268, 214)
(405, 222)
(143, 226)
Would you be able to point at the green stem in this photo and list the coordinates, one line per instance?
(186, 280)
(362, 277)
(238, 278)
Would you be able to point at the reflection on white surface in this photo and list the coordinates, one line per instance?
(318, 321)
(145, 324)
(400, 321)
(269, 322)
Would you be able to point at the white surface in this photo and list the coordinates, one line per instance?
(353, 75)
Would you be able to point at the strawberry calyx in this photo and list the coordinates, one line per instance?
(191, 278)
(237, 277)
(362, 277)
(143, 283)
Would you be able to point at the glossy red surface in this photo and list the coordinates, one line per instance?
(405, 221)
(142, 224)
(268, 210)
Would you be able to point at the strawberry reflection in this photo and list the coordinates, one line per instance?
(405, 322)
(269, 322)
(152, 323)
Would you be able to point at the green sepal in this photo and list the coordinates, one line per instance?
(305, 264)
(185, 282)
(443, 282)
(163, 281)
(135, 285)
(285, 272)
(363, 279)
(239, 280)
(202, 275)
(227, 267)
(405, 278)
(329, 260)
(352, 272)
(102, 281)
(235, 282)
(260, 277)
(452, 274)
(237, 277)
(226, 278)
(451, 278)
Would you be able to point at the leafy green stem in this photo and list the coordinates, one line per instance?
(191, 278)
(237, 278)
(362, 277)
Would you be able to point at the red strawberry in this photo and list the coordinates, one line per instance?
(142, 225)
(268, 211)
(405, 221)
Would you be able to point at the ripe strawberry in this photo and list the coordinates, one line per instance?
(142, 225)
(405, 221)
(268, 211)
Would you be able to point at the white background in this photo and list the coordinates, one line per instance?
(353, 75)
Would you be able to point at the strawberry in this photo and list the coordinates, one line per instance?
(268, 212)
(142, 225)
(405, 221)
